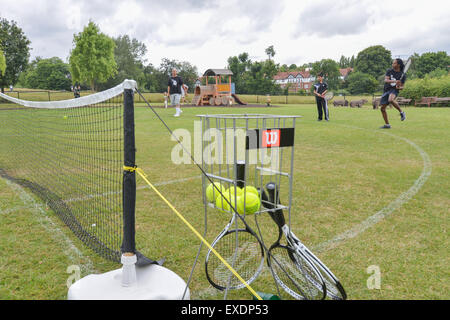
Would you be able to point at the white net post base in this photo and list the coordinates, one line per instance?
(152, 282)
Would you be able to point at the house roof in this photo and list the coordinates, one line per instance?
(345, 72)
(285, 75)
(218, 72)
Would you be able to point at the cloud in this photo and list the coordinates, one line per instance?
(206, 33)
(421, 39)
(329, 18)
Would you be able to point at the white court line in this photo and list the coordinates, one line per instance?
(11, 210)
(375, 218)
(349, 234)
(90, 196)
(69, 249)
(390, 208)
(169, 182)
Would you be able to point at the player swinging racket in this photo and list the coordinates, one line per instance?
(394, 81)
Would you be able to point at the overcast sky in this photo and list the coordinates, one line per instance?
(206, 33)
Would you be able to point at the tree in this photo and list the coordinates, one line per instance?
(156, 78)
(344, 62)
(129, 56)
(48, 74)
(92, 59)
(16, 49)
(352, 62)
(270, 51)
(2, 63)
(358, 83)
(188, 73)
(283, 68)
(253, 77)
(430, 61)
(239, 65)
(373, 60)
(261, 78)
(330, 69)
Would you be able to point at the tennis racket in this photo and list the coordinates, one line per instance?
(240, 247)
(334, 288)
(291, 269)
(329, 95)
(407, 65)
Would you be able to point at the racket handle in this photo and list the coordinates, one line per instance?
(240, 174)
(276, 215)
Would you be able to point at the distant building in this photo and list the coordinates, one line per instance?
(345, 72)
(296, 80)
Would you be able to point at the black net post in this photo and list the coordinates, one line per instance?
(129, 176)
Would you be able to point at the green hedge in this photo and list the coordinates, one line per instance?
(427, 87)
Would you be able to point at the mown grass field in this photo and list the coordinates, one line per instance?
(389, 188)
(44, 95)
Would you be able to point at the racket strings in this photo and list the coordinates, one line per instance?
(295, 276)
(242, 251)
(333, 290)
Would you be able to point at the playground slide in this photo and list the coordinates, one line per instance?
(238, 101)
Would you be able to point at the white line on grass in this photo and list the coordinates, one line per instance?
(90, 196)
(375, 218)
(70, 250)
(391, 207)
(11, 210)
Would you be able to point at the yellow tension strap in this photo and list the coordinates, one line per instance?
(144, 176)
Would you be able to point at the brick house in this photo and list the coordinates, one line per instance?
(302, 80)
(298, 80)
(345, 72)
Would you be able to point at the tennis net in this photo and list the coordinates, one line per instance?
(72, 154)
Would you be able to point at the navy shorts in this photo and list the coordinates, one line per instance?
(385, 97)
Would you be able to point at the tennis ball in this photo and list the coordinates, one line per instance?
(65, 117)
(211, 191)
(251, 189)
(231, 191)
(223, 205)
(252, 203)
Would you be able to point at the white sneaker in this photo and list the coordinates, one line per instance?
(176, 114)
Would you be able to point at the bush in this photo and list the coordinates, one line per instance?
(427, 87)
(359, 83)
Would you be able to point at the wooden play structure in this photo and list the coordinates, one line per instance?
(218, 94)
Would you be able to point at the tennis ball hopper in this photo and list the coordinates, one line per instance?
(243, 151)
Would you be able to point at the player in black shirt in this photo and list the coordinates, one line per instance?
(320, 89)
(394, 81)
(174, 87)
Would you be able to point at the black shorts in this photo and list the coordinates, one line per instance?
(385, 97)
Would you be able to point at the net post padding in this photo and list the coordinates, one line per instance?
(129, 176)
(129, 179)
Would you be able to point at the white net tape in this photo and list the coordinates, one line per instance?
(78, 102)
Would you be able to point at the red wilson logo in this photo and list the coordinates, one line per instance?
(271, 138)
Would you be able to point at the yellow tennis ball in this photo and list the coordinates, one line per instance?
(211, 191)
(231, 191)
(65, 117)
(252, 203)
(251, 189)
(223, 205)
